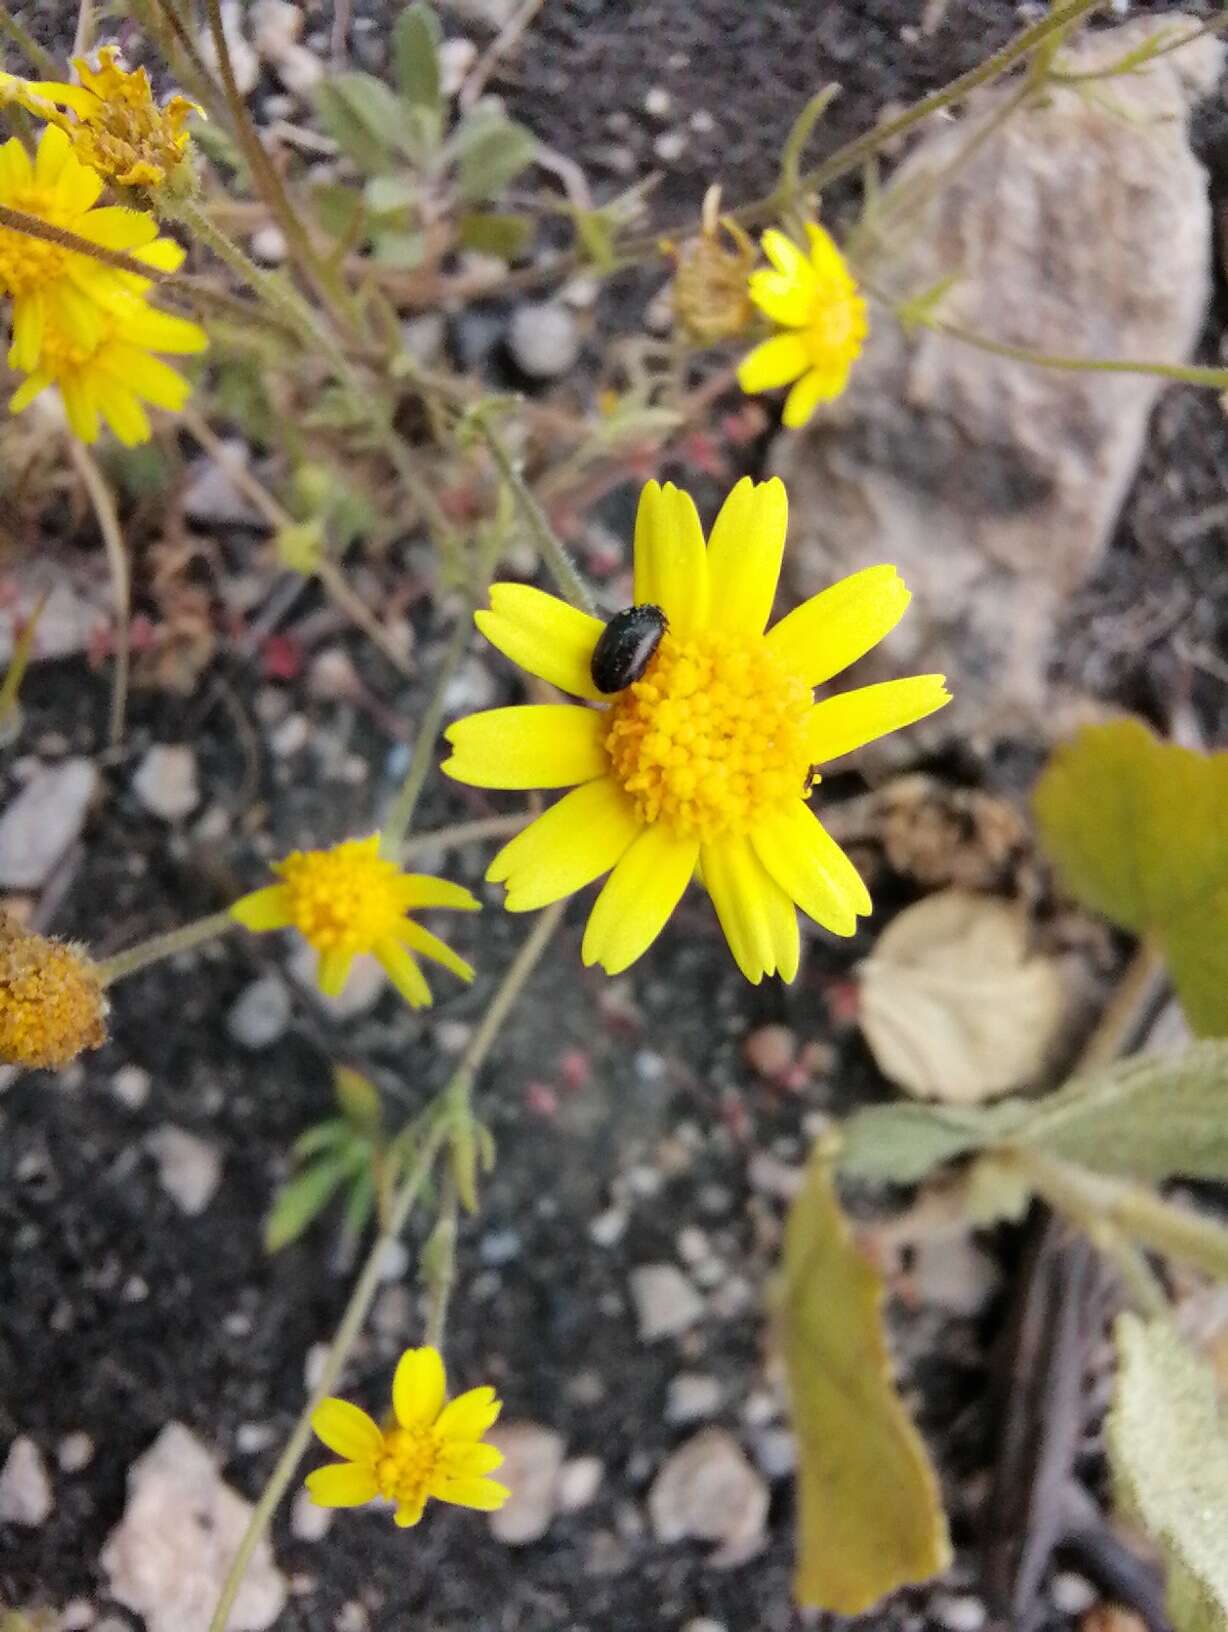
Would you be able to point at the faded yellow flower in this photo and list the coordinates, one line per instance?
(814, 300)
(51, 1001)
(429, 1449)
(113, 122)
(711, 295)
(351, 899)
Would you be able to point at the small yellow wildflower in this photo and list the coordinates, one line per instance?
(116, 126)
(51, 1001)
(350, 899)
(428, 1449)
(113, 376)
(707, 759)
(58, 288)
(815, 301)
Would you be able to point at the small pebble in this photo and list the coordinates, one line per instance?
(692, 1245)
(76, 1615)
(131, 1085)
(670, 146)
(25, 1489)
(658, 102)
(314, 1362)
(958, 1614)
(269, 245)
(253, 1437)
(189, 1170)
(76, 1451)
(1073, 1594)
(533, 1460)
(544, 340)
(578, 1483)
(693, 1397)
(771, 1050)
(260, 1014)
(309, 1521)
(608, 1228)
(43, 821)
(165, 781)
(666, 1304)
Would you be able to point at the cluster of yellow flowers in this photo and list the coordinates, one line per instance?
(79, 324)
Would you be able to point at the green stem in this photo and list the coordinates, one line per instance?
(162, 21)
(1215, 379)
(461, 833)
(102, 500)
(25, 42)
(363, 1295)
(400, 816)
(549, 544)
(158, 947)
(441, 1274)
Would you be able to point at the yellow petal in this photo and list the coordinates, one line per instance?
(29, 316)
(826, 261)
(408, 1513)
(82, 101)
(342, 1484)
(430, 946)
(418, 1387)
(831, 630)
(16, 173)
(671, 567)
(149, 377)
(785, 300)
(837, 725)
(638, 898)
(816, 386)
(574, 842)
(145, 325)
(117, 227)
(812, 869)
(421, 890)
(542, 634)
(54, 151)
(122, 412)
(773, 362)
(786, 257)
(748, 540)
(754, 911)
(402, 970)
(27, 391)
(263, 909)
(333, 970)
(347, 1430)
(539, 745)
(465, 1460)
(483, 1494)
(80, 409)
(470, 1414)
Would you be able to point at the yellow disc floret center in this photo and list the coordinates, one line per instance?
(837, 325)
(712, 737)
(408, 1464)
(346, 899)
(27, 263)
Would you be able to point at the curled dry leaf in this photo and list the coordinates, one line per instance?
(953, 1004)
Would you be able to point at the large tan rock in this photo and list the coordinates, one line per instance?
(1081, 226)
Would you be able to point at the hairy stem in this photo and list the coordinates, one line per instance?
(158, 947)
(25, 42)
(103, 502)
(34, 226)
(551, 547)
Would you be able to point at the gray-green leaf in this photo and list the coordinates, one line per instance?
(364, 117)
(1150, 1117)
(415, 54)
(304, 1198)
(1169, 1452)
(490, 152)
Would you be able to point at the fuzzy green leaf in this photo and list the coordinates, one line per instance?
(364, 118)
(506, 236)
(870, 1518)
(1168, 1446)
(1136, 828)
(490, 152)
(359, 1101)
(1150, 1117)
(304, 1198)
(415, 53)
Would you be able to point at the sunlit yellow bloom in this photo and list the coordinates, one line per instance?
(57, 288)
(351, 899)
(51, 1001)
(110, 378)
(707, 759)
(822, 317)
(428, 1449)
(113, 122)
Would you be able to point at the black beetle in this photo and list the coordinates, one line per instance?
(625, 646)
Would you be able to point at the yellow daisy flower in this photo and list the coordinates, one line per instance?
(815, 301)
(116, 126)
(707, 759)
(111, 377)
(428, 1449)
(350, 899)
(52, 287)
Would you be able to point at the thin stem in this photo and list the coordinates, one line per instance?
(25, 42)
(358, 612)
(162, 20)
(367, 1285)
(103, 502)
(1215, 379)
(400, 816)
(157, 947)
(263, 173)
(432, 511)
(34, 226)
(441, 1265)
(552, 549)
(236, 471)
(461, 833)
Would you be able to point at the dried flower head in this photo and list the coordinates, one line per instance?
(428, 1449)
(351, 899)
(814, 300)
(707, 758)
(711, 293)
(112, 120)
(51, 1001)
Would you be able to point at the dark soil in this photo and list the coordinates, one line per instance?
(118, 1314)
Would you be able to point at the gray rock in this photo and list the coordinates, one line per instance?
(544, 340)
(953, 1273)
(493, 14)
(243, 59)
(189, 1170)
(666, 1304)
(211, 499)
(708, 1491)
(76, 1451)
(995, 486)
(25, 1489)
(165, 781)
(308, 1520)
(168, 1556)
(533, 1458)
(71, 618)
(578, 1482)
(42, 822)
(260, 1014)
(693, 1395)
